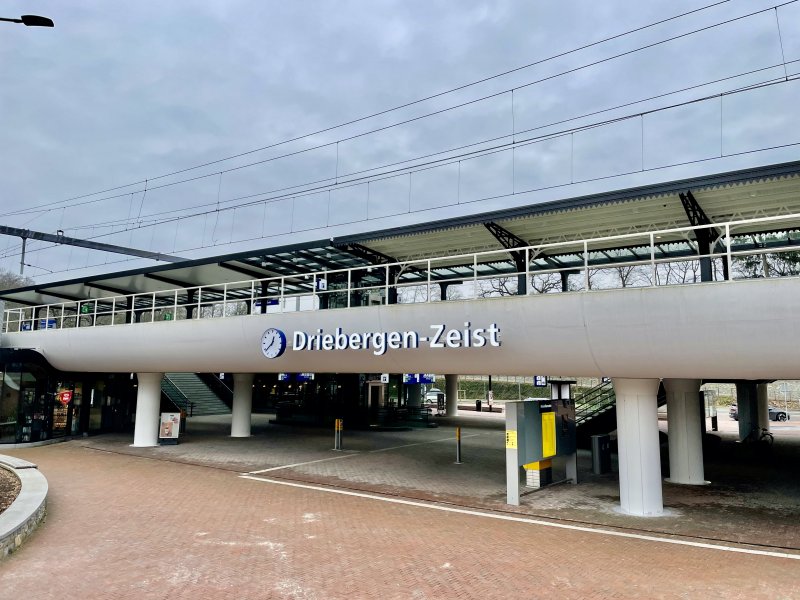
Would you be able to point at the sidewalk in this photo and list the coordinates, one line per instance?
(748, 501)
(181, 522)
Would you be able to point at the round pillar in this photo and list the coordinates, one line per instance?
(637, 438)
(684, 421)
(148, 401)
(242, 404)
(747, 404)
(762, 395)
(451, 395)
(414, 395)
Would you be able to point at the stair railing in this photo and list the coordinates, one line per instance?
(176, 396)
(597, 400)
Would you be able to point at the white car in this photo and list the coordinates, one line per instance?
(432, 396)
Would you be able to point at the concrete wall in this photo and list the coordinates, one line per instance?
(742, 330)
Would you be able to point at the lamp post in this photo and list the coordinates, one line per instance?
(785, 390)
(31, 21)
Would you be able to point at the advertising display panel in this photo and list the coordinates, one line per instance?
(169, 428)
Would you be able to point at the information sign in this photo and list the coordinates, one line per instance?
(511, 439)
(169, 428)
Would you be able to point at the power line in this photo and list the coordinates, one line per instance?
(157, 222)
(555, 186)
(483, 152)
(413, 102)
(299, 189)
(414, 119)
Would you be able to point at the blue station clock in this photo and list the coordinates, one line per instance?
(273, 343)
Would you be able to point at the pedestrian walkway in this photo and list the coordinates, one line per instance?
(389, 517)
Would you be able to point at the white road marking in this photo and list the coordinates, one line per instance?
(356, 453)
(528, 520)
(447, 439)
(309, 462)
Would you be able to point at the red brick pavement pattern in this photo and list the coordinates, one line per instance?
(130, 527)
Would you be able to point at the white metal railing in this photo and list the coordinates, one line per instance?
(598, 264)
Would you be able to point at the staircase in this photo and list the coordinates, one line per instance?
(190, 393)
(596, 410)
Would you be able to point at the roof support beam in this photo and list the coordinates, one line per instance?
(169, 280)
(697, 217)
(310, 256)
(108, 288)
(245, 271)
(27, 234)
(509, 241)
(372, 256)
(45, 292)
(269, 262)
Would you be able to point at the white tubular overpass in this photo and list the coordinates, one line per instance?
(741, 325)
(731, 330)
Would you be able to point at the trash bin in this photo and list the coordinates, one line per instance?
(601, 454)
(477, 405)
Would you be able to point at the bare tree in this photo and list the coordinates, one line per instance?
(545, 284)
(10, 281)
(497, 286)
(678, 272)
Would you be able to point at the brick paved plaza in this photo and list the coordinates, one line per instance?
(181, 522)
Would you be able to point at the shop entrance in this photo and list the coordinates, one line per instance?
(376, 394)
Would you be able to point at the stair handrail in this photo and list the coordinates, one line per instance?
(188, 406)
(217, 386)
(594, 401)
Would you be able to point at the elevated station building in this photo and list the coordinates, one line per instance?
(657, 287)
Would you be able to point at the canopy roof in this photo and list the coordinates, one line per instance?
(745, 194)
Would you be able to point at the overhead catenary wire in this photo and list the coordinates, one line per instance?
(780, 81)
(419, 100)
(594, 63)
(343, 180)
(555, 186)
(41, 208)
(340, 176)
(496, 149)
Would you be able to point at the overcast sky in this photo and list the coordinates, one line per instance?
(122, 92)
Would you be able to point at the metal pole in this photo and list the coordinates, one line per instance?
(458, 445)
(337, 434)
(22, 256)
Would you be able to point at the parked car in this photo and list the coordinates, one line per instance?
(778, 414)
(432, 396)
(775, 414)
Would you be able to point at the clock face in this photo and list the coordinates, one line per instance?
(273, 343)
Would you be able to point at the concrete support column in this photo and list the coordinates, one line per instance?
(242, 404)
(747, 405)
(684, 419)
(451, 395)
(762, 395)
(148, 401)
(414, 395)
(637, 438)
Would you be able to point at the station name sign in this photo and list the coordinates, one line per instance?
(380, 342)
